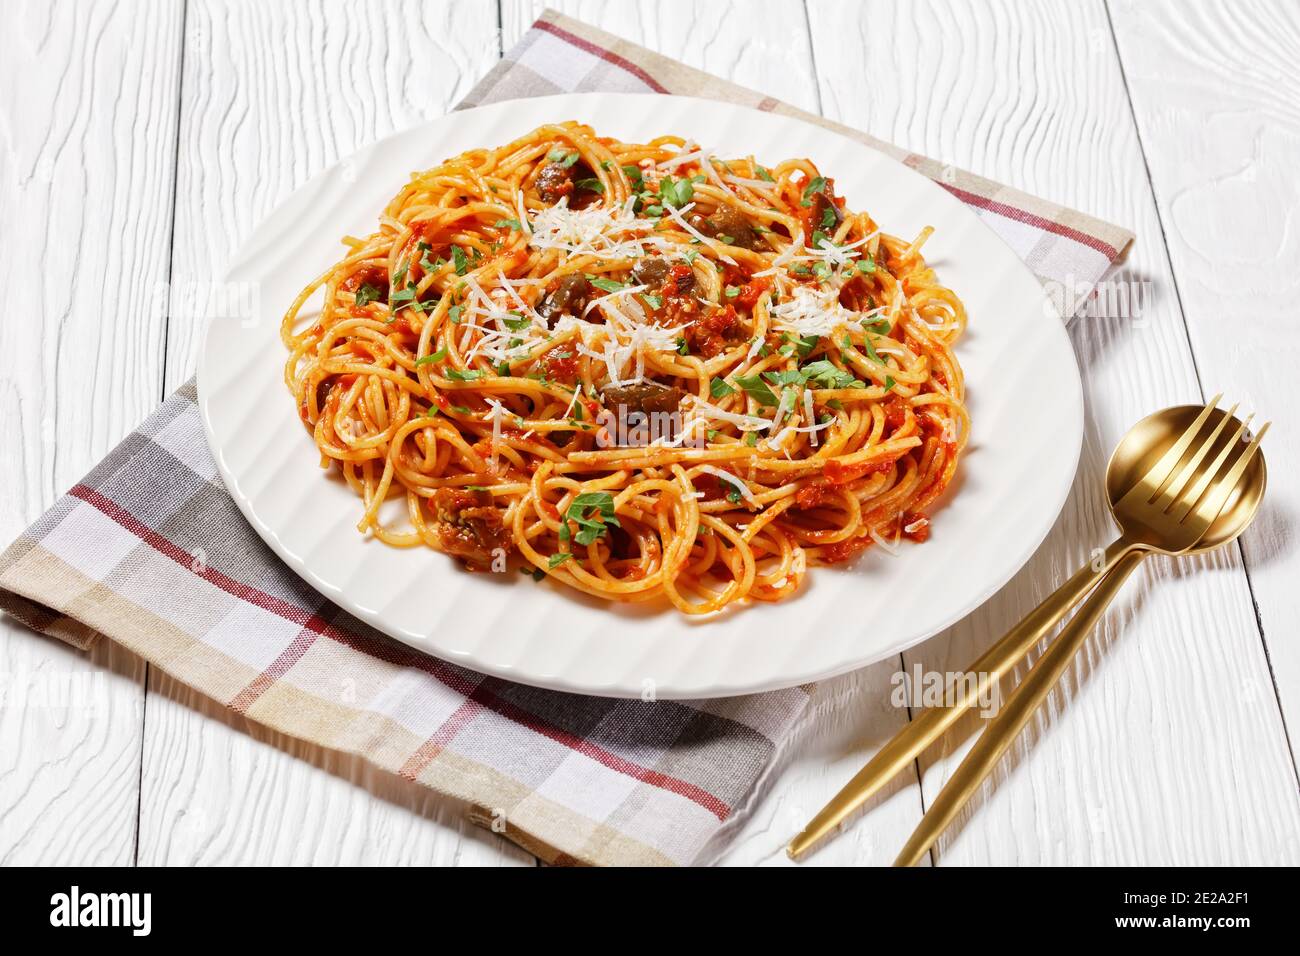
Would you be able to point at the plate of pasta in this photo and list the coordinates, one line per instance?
(641, 396)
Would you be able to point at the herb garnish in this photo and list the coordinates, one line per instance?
(815, 185)
(437, 356)
(608, 285)
(719, 388)
(756, 389)
(593, 513)
(460, 260)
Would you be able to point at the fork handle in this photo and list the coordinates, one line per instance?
(930, 724)
(1026, 698)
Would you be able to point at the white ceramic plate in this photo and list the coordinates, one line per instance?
(1024, 394)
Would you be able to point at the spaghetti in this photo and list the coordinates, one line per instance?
(642, 370)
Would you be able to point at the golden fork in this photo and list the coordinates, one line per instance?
(1153, 505)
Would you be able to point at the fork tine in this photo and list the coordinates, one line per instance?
(1175, 487)
(1218, 496)
(1185, 504)
(1149, 484)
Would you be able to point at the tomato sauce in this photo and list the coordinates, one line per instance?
(711, 487)
(713, 332)
(811, 496)
(919, 524)
(896, 412)
(844, 550)
(840, 474)
(375, 276)
(561, 365)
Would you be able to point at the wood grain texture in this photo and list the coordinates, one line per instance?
(762, 44)
(273, 93)
(1216, 91)
(88, 97)
(1151, 752)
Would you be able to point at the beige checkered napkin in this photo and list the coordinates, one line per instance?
(150, 550)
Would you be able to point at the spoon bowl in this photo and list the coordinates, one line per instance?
(1150, 438)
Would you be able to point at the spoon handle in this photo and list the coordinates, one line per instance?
(1004, 728)
(930, 724)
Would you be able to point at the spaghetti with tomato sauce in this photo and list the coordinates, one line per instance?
(648, 372)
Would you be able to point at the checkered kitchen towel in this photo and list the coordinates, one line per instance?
(150, 550)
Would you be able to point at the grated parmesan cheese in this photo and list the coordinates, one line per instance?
(889, 547)
(746, 423)
(497, 410)
(732, 480)
(598, 231)
(809, 310)
(808, 414)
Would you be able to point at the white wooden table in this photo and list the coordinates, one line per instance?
(142, 141)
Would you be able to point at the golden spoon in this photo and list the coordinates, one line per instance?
(1150, 451)
(1202, 506)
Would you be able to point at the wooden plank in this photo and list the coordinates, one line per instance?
(1216, 94)
(1151, 753)
(762, 44)
(272, 93)
(766, 46)
(88, 97)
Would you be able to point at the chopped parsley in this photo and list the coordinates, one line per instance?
(460, 260)
(608, 285)
(367, 294)
(676, 192)
(792, 376)
(756, 389)
(815, 185)
(828, 375)
(871, 351)
(437, 356)
(593, 513)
